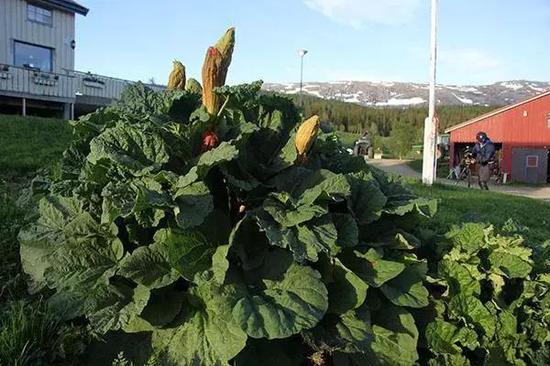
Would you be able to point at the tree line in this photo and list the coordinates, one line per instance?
(392, 128)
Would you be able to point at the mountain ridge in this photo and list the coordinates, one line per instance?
(405, 94)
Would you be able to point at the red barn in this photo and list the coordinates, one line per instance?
(521, 133)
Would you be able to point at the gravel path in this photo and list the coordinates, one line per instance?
(400, 167)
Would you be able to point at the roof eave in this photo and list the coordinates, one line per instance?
(69, 6)
(495, 112)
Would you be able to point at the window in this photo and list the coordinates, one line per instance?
(532, 161)
(548, 119)
(31, 56)
(38, 14)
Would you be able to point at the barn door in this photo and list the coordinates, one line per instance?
(530, 165)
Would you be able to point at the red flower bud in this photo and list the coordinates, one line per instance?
(209, 141)
(212, 51)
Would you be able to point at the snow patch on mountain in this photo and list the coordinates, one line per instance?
(400, 94)
(511, 85)
(464, 100)
(401, 102)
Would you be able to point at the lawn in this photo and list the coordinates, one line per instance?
(348, 139)
(30, 143)
(29, 334)
(458, 205)
(442, 167)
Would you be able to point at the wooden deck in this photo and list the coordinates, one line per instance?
(60, 87)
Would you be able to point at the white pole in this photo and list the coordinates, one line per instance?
(430, 128)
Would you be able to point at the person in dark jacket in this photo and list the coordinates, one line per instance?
(484, 152)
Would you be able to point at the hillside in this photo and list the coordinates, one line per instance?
(351, 117)
(399, 94)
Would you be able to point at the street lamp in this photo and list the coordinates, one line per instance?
(302, 52)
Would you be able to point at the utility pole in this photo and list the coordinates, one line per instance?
(302, 53)
(430, 123)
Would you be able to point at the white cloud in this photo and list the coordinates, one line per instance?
(356, 13)
(472, 64)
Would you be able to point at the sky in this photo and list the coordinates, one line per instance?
(479, 42)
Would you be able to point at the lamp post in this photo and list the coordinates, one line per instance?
(302, 52)
(430, 123)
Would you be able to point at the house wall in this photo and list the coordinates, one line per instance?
(526, 126)
(14, 26)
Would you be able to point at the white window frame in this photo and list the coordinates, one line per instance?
(528, 157)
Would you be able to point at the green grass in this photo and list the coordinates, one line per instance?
(28, 330)
(442, 167)
(12, 218)
(347, 138)
(458, 205)
(30, 143)
(29, 334)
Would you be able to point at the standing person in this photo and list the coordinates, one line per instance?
(484, 152)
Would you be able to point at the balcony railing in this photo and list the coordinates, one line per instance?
(26, 82)
(93, 85)
(30, 82)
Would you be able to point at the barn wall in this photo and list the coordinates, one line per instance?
(513, 129)
(512, 126)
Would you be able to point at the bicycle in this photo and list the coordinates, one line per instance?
(466, 167)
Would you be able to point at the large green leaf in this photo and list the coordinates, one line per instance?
(462, 277)
(151, 202)
(346, 290)
(406, 205)
(223, 153)
(366, 200)
(82, 264)
(61, 219)
(511, 262)
(130, 147)
(249, 244)
(112, 307)
(371, 267)
(288, 304)
(407, 289)
(444, 337)
(207, 334)
(471, 309)
(149, 266)
(348, 232)
(289, 216)
(395, 337)
(118, 201)
(189, 252)
(193, 204)
(348, 332)
(470, 237)
(317, 236)
(164, 305)
(322, 185)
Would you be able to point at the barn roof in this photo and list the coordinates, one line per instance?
(496, 111)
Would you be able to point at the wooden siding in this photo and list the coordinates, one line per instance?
(14, 26)
(18, 81)
(527, 123)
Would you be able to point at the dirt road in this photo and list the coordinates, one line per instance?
(400, 167)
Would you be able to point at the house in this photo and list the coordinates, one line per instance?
(521, 133)
(37, 56)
